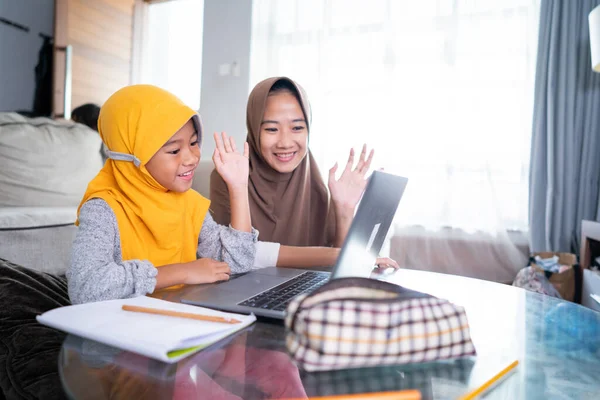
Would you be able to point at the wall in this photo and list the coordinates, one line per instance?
(227, 30)
(19, 50)
(100, 33)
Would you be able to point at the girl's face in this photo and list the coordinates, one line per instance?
(283, 132)
(174, 164)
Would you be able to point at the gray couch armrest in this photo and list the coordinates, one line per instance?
(38, 238)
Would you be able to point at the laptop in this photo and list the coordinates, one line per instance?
(266, 292)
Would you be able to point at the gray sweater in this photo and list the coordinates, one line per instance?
(98, 272)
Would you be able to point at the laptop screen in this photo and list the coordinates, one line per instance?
(370, 225)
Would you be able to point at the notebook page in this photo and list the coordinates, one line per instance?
(148, 334)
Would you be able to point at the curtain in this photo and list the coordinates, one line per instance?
(441, 89)
(565, 150)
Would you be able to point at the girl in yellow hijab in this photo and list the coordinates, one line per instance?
(141, 226)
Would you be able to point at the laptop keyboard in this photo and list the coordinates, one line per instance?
(277, 298)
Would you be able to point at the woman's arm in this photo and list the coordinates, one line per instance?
(273, 254)
(347, 191)
(307, 257)
(343, 220)
(269, 254)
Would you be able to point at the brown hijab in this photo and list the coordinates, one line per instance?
(293, 208)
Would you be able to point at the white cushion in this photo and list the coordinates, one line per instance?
(36, 217)
(38, 238)
(44, 162)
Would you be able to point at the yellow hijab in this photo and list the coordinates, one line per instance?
(154, 224)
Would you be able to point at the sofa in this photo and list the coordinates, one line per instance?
(45, 166)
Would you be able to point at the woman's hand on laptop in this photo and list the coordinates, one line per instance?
(384, 262)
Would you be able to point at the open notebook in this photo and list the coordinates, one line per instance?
(164, 338)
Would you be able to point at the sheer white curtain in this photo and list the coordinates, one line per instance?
(442, 89)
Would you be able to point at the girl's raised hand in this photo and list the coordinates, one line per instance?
(229, 162)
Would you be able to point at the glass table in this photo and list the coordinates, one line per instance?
(557, 344)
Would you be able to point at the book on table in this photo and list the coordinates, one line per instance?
(161, 337)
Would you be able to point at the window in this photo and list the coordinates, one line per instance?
(172, 55)
(442, 89)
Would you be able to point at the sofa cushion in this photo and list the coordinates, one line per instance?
(12, 218)
(38, 238)
(44, 162)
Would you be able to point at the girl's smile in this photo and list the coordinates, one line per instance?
(189, 175)
(174, 164)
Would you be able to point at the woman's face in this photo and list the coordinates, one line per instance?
(283, 132)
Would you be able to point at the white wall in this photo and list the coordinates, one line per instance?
(227, 30)
(19, 50)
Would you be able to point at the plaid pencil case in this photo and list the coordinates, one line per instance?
(359, 322)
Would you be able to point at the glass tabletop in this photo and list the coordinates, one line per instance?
(557, 344)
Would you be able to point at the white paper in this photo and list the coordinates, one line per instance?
(147, 334)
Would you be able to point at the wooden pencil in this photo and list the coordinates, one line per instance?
(490, 382)
(180, 314)
(390, 395)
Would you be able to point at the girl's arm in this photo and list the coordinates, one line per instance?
(222, 243)
(219, 199)
(204, 270)
(234, 169)
(235, 244)
(97, 271)
(240, 208)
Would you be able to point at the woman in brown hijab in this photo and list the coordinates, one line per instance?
(289, 202)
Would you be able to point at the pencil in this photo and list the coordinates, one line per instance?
(180, 314)
(393, 395)
(489, 383)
